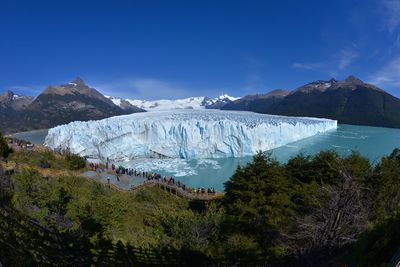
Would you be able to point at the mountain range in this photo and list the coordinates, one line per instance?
(76, 101)
(56, 105)
(197, 102)
(350, 101)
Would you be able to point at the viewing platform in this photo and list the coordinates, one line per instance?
(193, 194)
(134, 181)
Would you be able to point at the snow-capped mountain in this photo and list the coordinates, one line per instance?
(218, 102)
(183, 134)
(11, 101)
(199, 102)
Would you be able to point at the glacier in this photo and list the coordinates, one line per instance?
(183, 134)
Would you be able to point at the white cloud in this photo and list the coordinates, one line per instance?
(253, 82)
(346, 57)
(253, 77)
(338, 62)
(149, 89)
(388, 75)
(152, 88)
(309, 66)
(391, 14)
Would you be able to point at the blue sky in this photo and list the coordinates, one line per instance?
(172, 49)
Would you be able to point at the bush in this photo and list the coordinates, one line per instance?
(75, 162)
(44, 164)
(376, 247)
(6, 187)
(4, 149)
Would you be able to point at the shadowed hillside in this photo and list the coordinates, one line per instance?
(350, 101)
(60, 104)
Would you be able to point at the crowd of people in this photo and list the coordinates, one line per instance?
(171, 181)
(149, 176)
(16, 143)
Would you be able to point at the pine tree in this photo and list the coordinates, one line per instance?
(258, 197)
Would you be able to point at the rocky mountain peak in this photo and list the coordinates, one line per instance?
(353, 83)
(10, 100)
(7, 95)
(353, 79)
(277, 93)
(75, 87)
(319, 85)
(78, 81)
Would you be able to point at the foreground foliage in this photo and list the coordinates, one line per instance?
(321, 210)
(312, 209)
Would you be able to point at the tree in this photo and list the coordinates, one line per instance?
(75, 162)
(384, 186)
(378, 246)
(6, 187)
(258, 198)
(357, 166)
(240, 249)
(4, 149)
(300, 168)
(341, 216)
(325, 168)
(395, 155)
(189, 229)
(321, 168)
(336, 211)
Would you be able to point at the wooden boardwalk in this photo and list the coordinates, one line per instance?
(172, 188)
(178, 191)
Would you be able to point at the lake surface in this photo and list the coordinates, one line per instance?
(35, 137)
(372, 142)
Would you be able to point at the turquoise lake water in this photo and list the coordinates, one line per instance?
(35, 137)
(372, 142)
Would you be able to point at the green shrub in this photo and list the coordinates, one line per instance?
(4, 149)
(6, 187)
(44, 164)
(75, 162)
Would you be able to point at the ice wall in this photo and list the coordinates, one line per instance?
(183, 134)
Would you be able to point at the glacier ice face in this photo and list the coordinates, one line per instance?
(183, 134)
